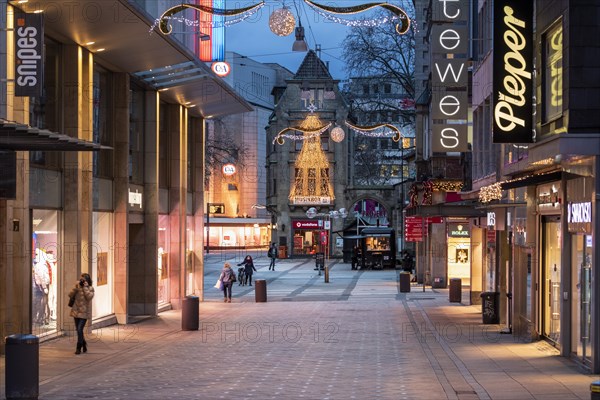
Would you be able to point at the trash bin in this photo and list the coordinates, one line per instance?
(455, 293)
(489, 307)
(319, 261)
(22, 368)
(190, 313)
(595, 390)
(260, 291)
(438, 282)
(282, 252)
(404, 282)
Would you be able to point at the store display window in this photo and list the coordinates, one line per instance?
(102, 263)
(163, 259)
(45, 271)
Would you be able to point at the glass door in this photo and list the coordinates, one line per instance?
(551, 269)
(582, 296)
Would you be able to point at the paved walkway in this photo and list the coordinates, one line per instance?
(356, 337)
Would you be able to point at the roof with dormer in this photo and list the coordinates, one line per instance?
(312, 68)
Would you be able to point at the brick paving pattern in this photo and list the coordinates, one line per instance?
(356, 337)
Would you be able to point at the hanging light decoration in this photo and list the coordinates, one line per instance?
(337, 134)
(282, 22)
(376, 130)
(398, 14)
(311, 127)
(239, 15)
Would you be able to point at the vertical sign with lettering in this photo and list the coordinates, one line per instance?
(29, 58)
(513, 71)
(450, 38)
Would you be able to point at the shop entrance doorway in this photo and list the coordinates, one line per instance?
(551, 270)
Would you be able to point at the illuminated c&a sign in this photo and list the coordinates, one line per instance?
(221, 68)
(228, 169)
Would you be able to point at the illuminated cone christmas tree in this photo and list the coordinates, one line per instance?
(312, 183)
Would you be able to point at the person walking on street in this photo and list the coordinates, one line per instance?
(81, 311)
(227, 278)
(355, 257)
(272, 255)
(249, 267)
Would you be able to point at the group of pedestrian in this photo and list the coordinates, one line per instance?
(228, 277)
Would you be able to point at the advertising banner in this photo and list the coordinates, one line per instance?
(29, 57)
(513, 71)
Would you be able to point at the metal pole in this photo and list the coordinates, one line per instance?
(207, 227)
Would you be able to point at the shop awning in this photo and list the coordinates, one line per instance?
(20, 137)
(122, 29)
(374, 231)
(445, 210)
(533, 180)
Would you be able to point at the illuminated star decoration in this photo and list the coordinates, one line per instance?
(242, 13)
(399, 14)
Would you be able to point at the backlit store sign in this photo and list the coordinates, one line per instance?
(579, 217)
(29, 65)
(458, 230)
(513, 66)
(306, 224)
(450, 48)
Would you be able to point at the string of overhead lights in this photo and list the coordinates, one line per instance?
(240, 15)
(356, 22)
(279, 139)
(282, 21)
(376, 131)
(401, 28)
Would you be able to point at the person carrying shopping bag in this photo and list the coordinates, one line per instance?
(227, 278)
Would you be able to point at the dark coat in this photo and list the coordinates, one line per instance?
(248, 267)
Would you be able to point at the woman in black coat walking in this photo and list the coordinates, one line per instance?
(249, 267)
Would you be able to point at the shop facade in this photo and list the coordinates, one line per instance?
(130, 214)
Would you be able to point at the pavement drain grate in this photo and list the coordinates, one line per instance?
(465, 392)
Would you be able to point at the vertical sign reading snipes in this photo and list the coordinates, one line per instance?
(29, 57)
(513, 71)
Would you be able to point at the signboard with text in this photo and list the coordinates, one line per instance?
(513, 72)
(414, 229)
(450, 103)
(29, 57)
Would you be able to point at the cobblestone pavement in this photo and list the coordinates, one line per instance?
(356, 337)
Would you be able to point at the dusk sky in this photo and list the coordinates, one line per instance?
(254, 39)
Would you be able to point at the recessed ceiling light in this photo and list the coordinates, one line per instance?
(187, 102)
(22, 1)
(99, 50)
(193, 105)
(90, 43)
(163, 89)
(38, 11)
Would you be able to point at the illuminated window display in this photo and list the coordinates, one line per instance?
(45, 273)
(459, 252)
(102, 263)
(163, 259)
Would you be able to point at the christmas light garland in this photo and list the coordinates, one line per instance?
(307, 134)
(375, 130)
(399, 13)
(491, 192)
(242, 14)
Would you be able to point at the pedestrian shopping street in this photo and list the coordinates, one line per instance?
(356, 337)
